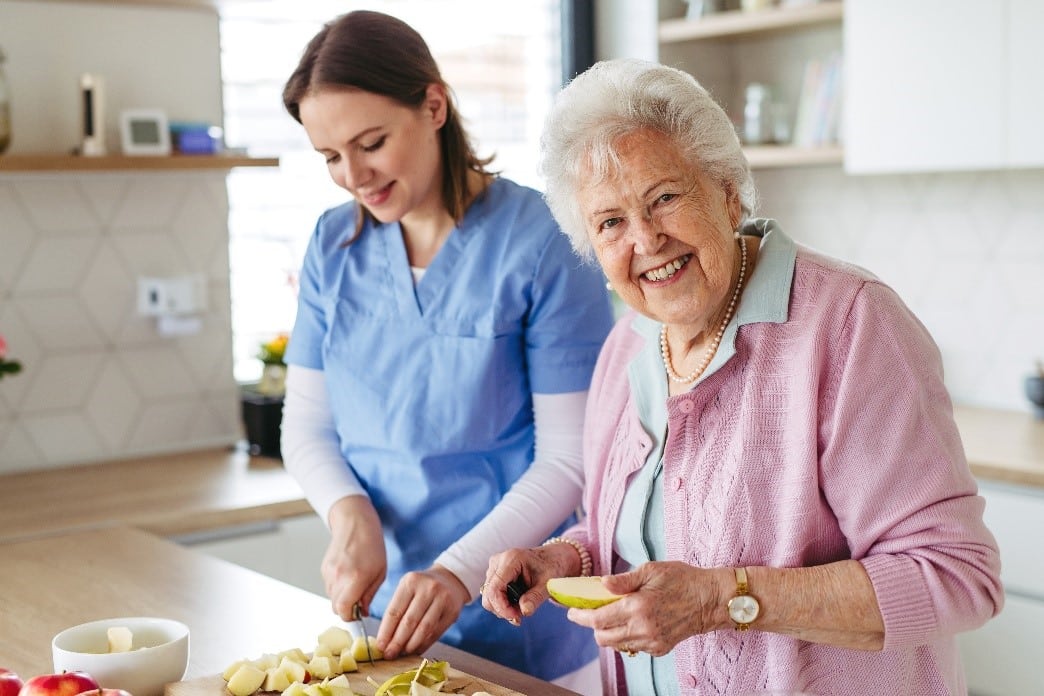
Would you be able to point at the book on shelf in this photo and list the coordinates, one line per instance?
(819, 103)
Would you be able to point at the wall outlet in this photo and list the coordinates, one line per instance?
(161, 297)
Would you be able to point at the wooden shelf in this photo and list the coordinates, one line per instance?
(769, 156)
(74, 163)
(207, 5)
(738, 23)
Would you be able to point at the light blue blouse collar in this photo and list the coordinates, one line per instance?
(766, 297)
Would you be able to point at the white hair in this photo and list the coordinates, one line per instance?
(614, 98)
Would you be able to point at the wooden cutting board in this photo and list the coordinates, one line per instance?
(457, 682)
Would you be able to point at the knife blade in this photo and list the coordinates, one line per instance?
(357, 614)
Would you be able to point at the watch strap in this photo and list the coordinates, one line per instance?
(742, 587)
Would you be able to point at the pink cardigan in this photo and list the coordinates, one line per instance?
(828, 436)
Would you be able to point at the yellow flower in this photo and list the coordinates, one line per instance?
(272, 351)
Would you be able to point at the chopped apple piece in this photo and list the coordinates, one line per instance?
(324, 667)
(295, 689)
(322, 651)
(359, 649)
(275, 680)
(231, 669)
(267, 661)
(246, 680)
(336, 639)
(339, 686)
(315, 689)
(294, 670)
(339, 689)
(120, 639)
(339, 680)
(295, 654)
(348, 662)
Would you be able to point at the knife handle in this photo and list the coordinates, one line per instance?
(515, 589)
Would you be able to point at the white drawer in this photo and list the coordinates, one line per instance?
(1015, 515)
(1004, 657)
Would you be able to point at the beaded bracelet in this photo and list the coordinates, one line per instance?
(585, 557)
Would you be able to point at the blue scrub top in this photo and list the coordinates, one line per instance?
(430, 384)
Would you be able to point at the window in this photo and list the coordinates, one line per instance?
(503, 59)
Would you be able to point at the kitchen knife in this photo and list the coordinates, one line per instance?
(357, 613)
(515, 589)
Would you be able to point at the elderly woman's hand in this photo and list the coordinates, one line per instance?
(665, 603)
(534, 567)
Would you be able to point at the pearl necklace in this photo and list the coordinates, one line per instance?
(665, 350)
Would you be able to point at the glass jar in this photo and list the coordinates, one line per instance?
(757, 117)
(5, 107)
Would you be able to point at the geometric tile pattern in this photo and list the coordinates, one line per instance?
(99, 382)
(965, 251)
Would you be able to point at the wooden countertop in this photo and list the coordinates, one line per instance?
(198, 491)
(166, 495)
(51, 583)
(1003, 445)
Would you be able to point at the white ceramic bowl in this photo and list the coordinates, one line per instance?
(158, 656)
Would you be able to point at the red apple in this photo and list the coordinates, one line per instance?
(64, 684)
(105, 692)
(10, 683)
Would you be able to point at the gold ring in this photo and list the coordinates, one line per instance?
(629, 652)
(482, 588)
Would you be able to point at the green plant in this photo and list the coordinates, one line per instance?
(7, 367)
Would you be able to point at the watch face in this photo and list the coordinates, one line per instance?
(743, 609)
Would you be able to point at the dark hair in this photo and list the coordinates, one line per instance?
(383, 55)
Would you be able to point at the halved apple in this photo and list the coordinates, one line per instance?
(581, 592)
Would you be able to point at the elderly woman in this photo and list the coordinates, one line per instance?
(774, 480)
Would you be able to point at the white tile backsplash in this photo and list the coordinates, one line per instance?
(56, 265)
(99, 382)
(964, 250)
(56, 205)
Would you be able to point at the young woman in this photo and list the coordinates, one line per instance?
(438, 368)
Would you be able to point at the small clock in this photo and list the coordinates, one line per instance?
(144, 132)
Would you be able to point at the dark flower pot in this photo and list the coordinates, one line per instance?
(262, 418)
(1035, 393)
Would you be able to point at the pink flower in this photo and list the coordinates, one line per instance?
(3, 348)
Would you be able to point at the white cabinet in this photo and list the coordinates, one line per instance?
(943, 85)
(727, 50)
(1005, 657)
(289, 550)
(1026, 83)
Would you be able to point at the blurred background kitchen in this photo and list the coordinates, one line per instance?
(903, 137)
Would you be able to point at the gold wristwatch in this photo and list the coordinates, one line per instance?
(744, 607)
